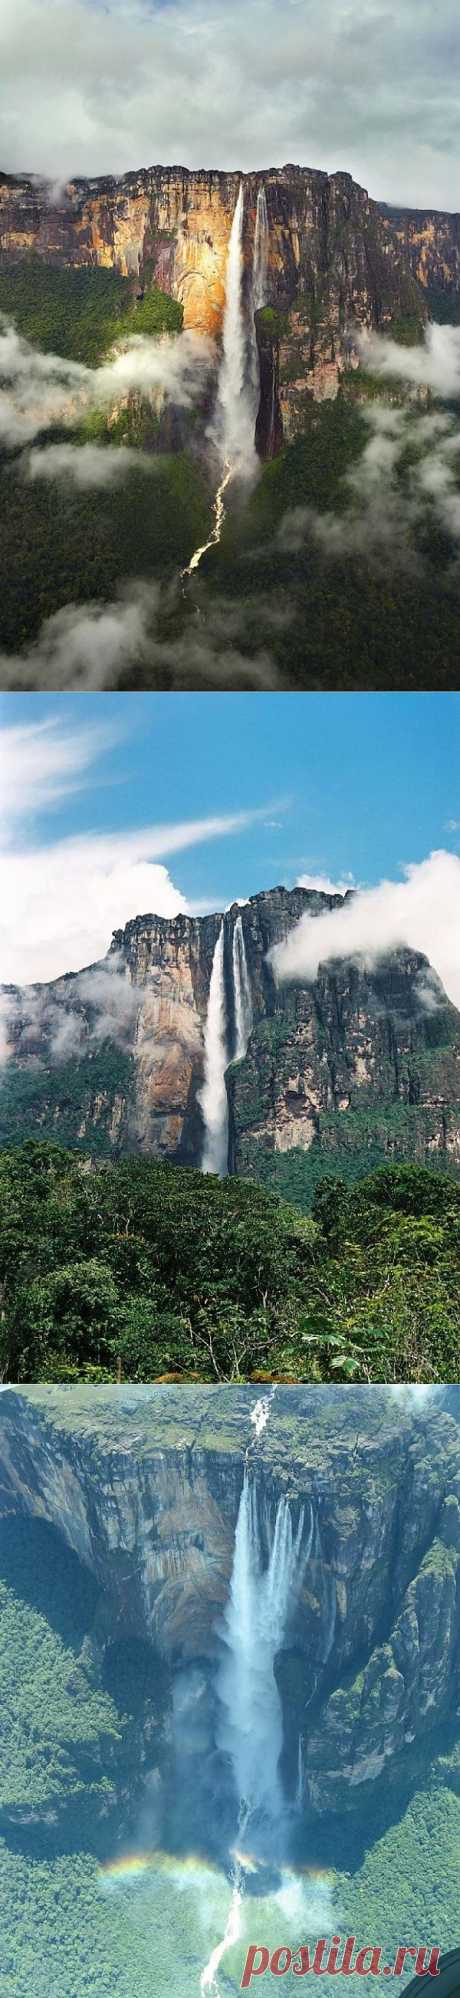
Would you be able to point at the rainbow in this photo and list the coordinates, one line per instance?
(132, 1866)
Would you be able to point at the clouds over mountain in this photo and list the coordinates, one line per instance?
(371, 89)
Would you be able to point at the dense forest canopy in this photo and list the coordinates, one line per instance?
(141, 1271)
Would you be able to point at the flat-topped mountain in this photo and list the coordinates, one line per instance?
(182, 1044)
(335, 259)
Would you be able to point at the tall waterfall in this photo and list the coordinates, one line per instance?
(262, 1592)
(233, 428)
(261, 241)
(213, 1095)
(242, 992)
(235, 409)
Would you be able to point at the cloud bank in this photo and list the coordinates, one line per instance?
(419, 912)
(371, 89)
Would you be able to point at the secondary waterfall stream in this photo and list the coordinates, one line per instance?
(233, 429)
(213, 1096)
(242, 992)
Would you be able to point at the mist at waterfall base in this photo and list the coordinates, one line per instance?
(227, 1865)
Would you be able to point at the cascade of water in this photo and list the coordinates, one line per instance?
(234, 423)
(260, 1600)
(213, 1095)
(261, 242)
(242, 992)
(208, 1979)
(235, 413)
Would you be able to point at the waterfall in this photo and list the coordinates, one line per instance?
(261, 241)
(208, 1983)
(242, 992)
(261, 1596)
(235, 410)
(213, 1095)
(233, 427)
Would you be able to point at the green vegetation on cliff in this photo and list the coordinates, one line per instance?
(80, 313)
(60, 1734)
(141, 1271)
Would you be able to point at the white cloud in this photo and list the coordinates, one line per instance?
(434, 363)
(353, 86)
(59, 902)
(42, 762)
(419, 912)
(87, 465)
(323, 884)
(407, 473)
(40, 390)
(89, 646)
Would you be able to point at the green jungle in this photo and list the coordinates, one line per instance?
(141, 1271)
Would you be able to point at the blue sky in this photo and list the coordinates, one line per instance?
(356, 783)
(105, 802)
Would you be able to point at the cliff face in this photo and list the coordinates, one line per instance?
(357, 1066)
(333, 260)
(430, 240)
(145, 1490)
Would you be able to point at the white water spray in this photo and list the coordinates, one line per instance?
(213, 1095)
(242, 992)
(261, 1597)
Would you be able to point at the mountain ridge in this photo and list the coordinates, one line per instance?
(341, 1071)
(335, 260)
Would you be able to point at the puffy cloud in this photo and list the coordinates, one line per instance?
(323, 884)
(409, 467)
(86, 465)
(90, 646)
(434, 363)
(41, 390)
(419, 912)
(370, 89)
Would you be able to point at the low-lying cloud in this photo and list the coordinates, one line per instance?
(407, 475)
(39, 391)
(434, 363)
(63, 1023)
(87, 465)
(419, 913)
(85, 647)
